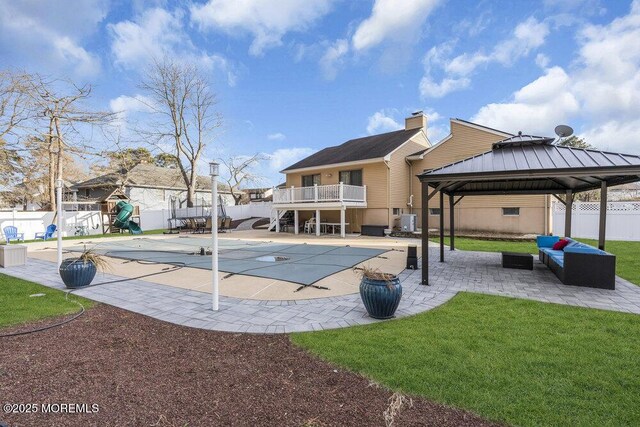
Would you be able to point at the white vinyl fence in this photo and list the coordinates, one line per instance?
(252, 210)
(623, 220)
(75, 222)
(32, 222)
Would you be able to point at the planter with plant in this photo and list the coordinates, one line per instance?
(380, 292)
(79, 272)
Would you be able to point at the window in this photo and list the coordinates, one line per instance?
(434, 211)
(511, 211)
(353, 177)
(310, 180)
(397, 211)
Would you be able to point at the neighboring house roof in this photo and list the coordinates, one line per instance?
(147, 176)
(366, 148)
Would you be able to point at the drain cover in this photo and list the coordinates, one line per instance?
(271, 258)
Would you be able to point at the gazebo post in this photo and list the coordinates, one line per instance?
(452, 233)
(568, 213)
(425, 233)
(603, 215)
(441, 226)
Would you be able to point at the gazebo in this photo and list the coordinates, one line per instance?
(524, 164)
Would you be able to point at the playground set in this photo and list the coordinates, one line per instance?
(121, 217)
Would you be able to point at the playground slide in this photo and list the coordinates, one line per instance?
(125, 210)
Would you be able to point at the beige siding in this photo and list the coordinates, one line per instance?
(478, 212)
(374, 176)
(400, 180)
(530, 221)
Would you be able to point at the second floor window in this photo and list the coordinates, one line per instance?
(310, 180)
(353, 177)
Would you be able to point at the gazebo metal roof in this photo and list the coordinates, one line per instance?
(526, 164)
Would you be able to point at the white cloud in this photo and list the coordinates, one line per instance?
(156, 33)
(603, 90)
(265, 21)
(527, 36)
(536, 108)
(382, 121)
(391, 21)
(278, 160)
(333, 57)
(52, 34)
(278, 136)
(542, 60)
(396, 27)
(124, 104)
(432, 89)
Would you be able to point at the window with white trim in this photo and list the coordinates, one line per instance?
(434, 211)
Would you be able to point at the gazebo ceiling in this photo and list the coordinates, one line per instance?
(526, 164)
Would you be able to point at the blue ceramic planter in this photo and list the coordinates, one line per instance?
(381, 297)
(76, 273)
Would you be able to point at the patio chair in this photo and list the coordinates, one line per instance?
(208, 225)
(11, 233)
(309, 226)
(48, 233)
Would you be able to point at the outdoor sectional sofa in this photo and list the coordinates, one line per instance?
(578, 264)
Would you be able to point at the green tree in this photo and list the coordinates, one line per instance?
(575, 142)
(166, 160)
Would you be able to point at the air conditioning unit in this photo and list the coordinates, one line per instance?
(408, 222)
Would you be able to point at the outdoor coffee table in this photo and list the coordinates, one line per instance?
(517, 260)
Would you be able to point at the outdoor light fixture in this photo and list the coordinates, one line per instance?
(214, 171)
(59, 184)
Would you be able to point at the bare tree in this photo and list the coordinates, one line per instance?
(183, 102)
(14, 110)
(14, 101)
(241, 173)
(61, 112)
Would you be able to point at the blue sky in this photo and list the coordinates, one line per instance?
(294, 76)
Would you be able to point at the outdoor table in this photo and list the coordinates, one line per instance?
(333, 226)
(517, 260)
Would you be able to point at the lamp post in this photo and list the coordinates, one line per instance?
(214, 171)
(59, 184)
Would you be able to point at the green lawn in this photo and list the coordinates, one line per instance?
(516, 361)
(627, 253)
(16, 306)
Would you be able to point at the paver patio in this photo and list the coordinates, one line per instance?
(463, 271)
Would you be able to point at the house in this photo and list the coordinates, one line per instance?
(626, 192)
(258, 194)
(148, 186)
(373, 181)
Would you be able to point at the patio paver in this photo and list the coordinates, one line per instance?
(463, 271)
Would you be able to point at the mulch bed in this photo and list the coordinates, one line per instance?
(142, 371)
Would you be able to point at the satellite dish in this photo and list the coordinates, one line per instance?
(563, 131)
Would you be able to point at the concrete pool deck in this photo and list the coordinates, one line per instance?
(463, 271)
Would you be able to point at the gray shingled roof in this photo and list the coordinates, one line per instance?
(535, 166)
(148, 176)
(369, 147)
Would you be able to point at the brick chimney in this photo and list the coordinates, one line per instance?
(415, 121)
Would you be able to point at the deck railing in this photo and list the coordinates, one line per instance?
(321, 193)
